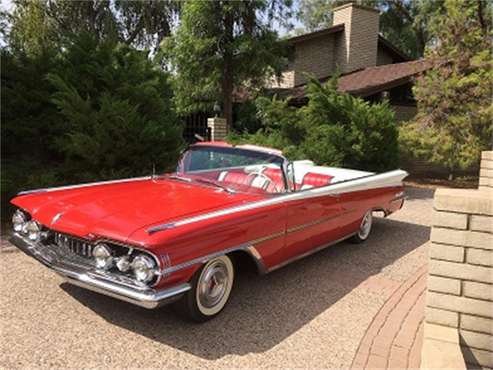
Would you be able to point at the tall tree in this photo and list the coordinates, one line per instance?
(31, 31)
(222, 45)
(39, 24)
(404, 22)
(455, 109)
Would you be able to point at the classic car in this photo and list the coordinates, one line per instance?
(179, 237)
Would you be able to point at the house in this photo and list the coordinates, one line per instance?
(369, 65)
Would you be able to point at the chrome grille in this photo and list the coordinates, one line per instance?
(74, 245)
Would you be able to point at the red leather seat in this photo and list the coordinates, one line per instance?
(236, 178)
(275, 174)
(316, 179)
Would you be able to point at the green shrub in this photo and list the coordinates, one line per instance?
(118, 116)
(334, 129)
(91, 111)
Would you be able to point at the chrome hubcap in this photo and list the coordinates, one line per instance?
(365, 227)
(213, 284)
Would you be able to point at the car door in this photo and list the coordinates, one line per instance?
(313, 219)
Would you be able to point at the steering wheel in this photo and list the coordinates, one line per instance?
(262, 175)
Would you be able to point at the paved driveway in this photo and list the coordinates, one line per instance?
(312, 313)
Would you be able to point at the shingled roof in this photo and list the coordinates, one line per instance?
(371, 80)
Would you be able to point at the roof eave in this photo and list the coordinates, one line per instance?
(316, 34)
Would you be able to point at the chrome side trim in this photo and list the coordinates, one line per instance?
(84, 277)
(392, 178)
(312, 251)
(316, 222)
(67, 187)
(267, 238)
(249, 247)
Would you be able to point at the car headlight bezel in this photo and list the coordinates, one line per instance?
(103, 257)
(19, 220)
(32, 230)
(144, 268)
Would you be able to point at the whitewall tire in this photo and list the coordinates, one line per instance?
(211, 289)
(364, 229)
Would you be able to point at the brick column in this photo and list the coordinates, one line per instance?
(219, 128)
(459, 306)
(486, 171)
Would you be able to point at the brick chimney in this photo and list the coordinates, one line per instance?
(358, 46)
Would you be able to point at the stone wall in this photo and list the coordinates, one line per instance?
(486, 171)
(459, 308)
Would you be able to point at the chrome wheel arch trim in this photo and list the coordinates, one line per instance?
(387, 179)
(248, 248)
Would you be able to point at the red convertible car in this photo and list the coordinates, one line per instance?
(178, 237)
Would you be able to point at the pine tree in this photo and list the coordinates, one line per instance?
(118, 119)
(454, 123)
(222, 45)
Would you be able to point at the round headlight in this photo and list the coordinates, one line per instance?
(123, 264)
(18, 220)
(33, 230)
(102, 256)
(144, 268)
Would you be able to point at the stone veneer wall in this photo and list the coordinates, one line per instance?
(360, 38)
(219, 128)
(354, 48)
(486, 171)
(314, 57)
(459, 308)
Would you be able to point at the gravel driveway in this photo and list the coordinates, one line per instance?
(310, 314)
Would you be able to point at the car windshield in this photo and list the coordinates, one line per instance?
(232, 169)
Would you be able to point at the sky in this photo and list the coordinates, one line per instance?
(5, 4)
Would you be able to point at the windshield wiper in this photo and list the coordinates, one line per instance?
(210, 182)
(205, 181)
(180, 178)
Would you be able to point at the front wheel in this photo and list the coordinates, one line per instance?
(211, 288)
(364, 229)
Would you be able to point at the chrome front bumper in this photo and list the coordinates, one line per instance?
(85, 278)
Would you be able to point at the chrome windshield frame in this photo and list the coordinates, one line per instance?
(284, 162)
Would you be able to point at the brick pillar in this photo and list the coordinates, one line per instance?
(459, 306)
(219, 128)
(486, 171)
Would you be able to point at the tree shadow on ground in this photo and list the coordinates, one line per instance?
(264, 310)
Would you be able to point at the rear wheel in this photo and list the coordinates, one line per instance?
(364, 229)
(211, 288)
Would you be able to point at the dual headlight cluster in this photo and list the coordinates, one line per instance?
(23, 225)
(143, 267)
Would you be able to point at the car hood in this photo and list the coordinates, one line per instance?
(116, 210)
